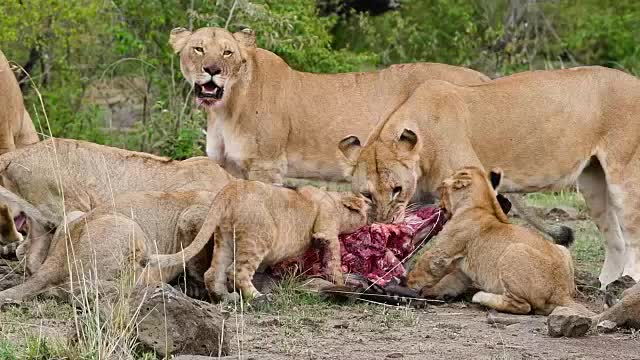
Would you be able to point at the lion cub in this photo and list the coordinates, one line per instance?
(263, 224)
(517, 270)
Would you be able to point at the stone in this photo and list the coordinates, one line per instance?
(170, 322)
(569, 322)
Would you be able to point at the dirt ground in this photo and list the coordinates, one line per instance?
(454, 331)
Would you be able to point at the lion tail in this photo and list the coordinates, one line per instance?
(207, 230)
(561, 234)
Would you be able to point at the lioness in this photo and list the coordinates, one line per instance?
(60, 176)
(107, 240)
(517, 270)
(546, 129)
(257, 224)
(16, 127)
(266, 120)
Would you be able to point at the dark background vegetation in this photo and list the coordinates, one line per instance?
(107, 74)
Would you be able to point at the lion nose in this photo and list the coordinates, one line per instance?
(212, 70)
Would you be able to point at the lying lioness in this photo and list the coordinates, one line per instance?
(60, 176)
(546, 129)
(112, 238)
(262, 225)
(266, 120)
(16, 127)
(517, 270)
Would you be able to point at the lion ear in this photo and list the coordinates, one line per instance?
(178, 38)
(246, 37)
(350, 147)
(461, 183)
(495, 177)
(408, 140)
(354, 203)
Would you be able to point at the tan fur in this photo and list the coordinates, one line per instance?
(517, 270)
(60, 176)
(546, 129)
(16, 127)
(274, 121)
(111, 239)
(262, 225)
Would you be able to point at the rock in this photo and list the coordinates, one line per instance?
(564, 213)
(169, 322)
(615, 289)
(607, 326)
(569, 322)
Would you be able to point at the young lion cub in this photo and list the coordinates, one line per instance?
(517, 270)
(264, 224)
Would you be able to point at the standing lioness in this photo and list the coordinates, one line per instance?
(266, 120)
(16, 127)
(546, 129)
(257, 224)
(516, 269)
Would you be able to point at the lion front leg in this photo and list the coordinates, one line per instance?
(331, 258)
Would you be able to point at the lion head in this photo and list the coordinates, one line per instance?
(353, 212)
(212, 60)
(471, 187)
(385, 173)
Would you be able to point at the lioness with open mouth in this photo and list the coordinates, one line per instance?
(266, 120)
(516, 269)
(546, 129)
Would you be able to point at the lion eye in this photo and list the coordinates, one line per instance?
(198, 50)
(396, 191)
(227, 53)
(366, 195)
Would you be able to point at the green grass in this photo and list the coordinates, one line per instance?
(559, 198)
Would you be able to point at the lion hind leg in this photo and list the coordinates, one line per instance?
(593, 186)
(504, 303)
(247, 262)
(215, 278)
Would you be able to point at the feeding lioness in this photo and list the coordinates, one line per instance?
(546, 129)
(516, 269)
(16, 127)
(266, 120)
(59, 176)
(110, 240)
(257, 225)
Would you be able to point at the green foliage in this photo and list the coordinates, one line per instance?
(74, 45)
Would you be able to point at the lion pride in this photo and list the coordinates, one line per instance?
(16, 128)
(267, 120)
(546, 129)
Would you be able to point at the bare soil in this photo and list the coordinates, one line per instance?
(452, 331)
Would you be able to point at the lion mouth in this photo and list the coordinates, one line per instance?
(208, 93)
(20, 222)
